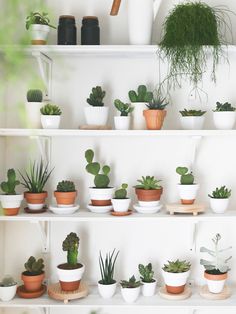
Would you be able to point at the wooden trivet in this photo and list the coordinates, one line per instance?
(55, 292)
(206, 294)
(22, 293)
(175, 297)
(95, 127)
(120, 214)
(194, 209)
(38, 211)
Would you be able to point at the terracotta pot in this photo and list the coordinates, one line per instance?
(70, 278)
(101, 202)
(65, 198)
(11, 204)
(215, 283)
(154, 118)
(35, 201)
(32, 283)
(148, 195)
(11, 211)
(175, 290)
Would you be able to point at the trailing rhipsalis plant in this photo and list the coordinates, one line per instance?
(186, 177)
(122, 192)
(34, 267)
(192, 113)
(177, 266)
(148, 183)
(66, 186)
(142, 95)
(224, 107)
(50, 110)
(34, 95)
(221, 192)
(71, 246)
(123, 108)
(146, 272)
(107, 267)
(131, 283)
(38, 18)
(9, 186)
(96, 97)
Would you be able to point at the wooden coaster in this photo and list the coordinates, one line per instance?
(175, 297)
(39, 211)
(120, 214)
(22, 293)
(194, 209)
(55, 292)
(94, 127)
(38, 42)
(206, 294)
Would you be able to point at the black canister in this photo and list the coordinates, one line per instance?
(90, 31)
(66, 33)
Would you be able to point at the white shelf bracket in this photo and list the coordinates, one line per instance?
(44, 232)
(194, 237)
(195, 143)
(192, 311)
(43, 310)
(44, 147)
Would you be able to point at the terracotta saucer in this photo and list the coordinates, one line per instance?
(39, 211)
(22, 293)
(120, 214)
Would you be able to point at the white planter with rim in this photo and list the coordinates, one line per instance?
(7, 293)
(130, 295)
(188, 192)
(149, 204)
(70, 275)
(149, 288)
(11, 201)
(50, 122)
(138, 120)
(107, 291)
(224, 120)
(192, 122)
(121, 205)
(96, 115)
(122, 123)
(175, 279)
(101, 194)
(33, 114)
(219, 205)
(39, 33)
(215, 283)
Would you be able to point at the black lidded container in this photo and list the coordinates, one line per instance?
(66, 32)
(90, 31)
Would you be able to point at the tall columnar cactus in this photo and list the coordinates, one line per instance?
(34, 267)
(96, 97)
(66, 186)
(34, 95)
(9, 186)
(185, 176)
(71, 246)
(101, 180)
(142, 95)
(122, 192)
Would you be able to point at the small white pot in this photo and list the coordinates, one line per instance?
(11, 201)
(215, 283)
(122, 123)
(188, 192)
(192, 122)
(101, 194)
(149, 204)
(175, 279)
(224, 120)
(149, 288)
(219, 205)
(96, 115)
(138, 120)
(121, 205)
(107, 291)
(130, 295)
(7, 293)
(70, 275)
(39, 33)
(33, 114)
(50, 122)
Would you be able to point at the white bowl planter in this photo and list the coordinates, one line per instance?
(39, 33)
(192, 122)
(101, 194)
(149, 288)
(121, 205)
(33, 114)
(50, 122)
(7, 293)
(149, 204)
(122, 123)
(188, 192)
(11, 201)
(215, 283)
(96, 115)
(138, 120)
(219, 205)
(224, 120)
(175, 280)
(130, 295)
(107, 291)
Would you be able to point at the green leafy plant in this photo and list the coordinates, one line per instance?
(66, 186)
(124, 109)
(107, 267)
(131, 283)
(192, 113)
(218, 263)
(7, 281)
(148, 183)
(146, 272)
(142, 95)
(186, 177)
(122, 192)
(38, 18)
(157, 103)
(96, 97)
(101, 180)
(221, 192)
(9, 186)
(224, 107)
(34, 267)
(71, 246)
(34, 95)
(177, 266)
(50, 110)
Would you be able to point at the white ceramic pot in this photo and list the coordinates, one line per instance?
(39, 33)
(175, 279)
(121, 205)
(122, 123)
(107, 291)
(130, 295)
(219, 205)
(138, 120)
(192, 123)
(188, 192)
(224, 120)
(149, 204)
(11, 201)
(149, 288)
(70, 275)
(50, 122)
(101, 194)
(96, 115)
(7, 293)
(215, 283)
(33, 114)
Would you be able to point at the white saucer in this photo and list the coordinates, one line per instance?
(100, 209)
(63, 210)
(149, 204)
(147, 210)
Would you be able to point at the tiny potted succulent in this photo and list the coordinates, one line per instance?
(65, 194)
(148, 282)
(70, 273)
(192, 119)
(96, 114)
(148, 191)
(187, 188)
(175, 275)
(50, 116)
(107, 284)
(11, 201)
(139, 101)
(216, 270)
(8, 288)
(33, 275)
(122, 122)
(130, 289)
(33, 105)
(224, 116)
(39, 25)
(34, 181)
(219, 199)
(121, 202)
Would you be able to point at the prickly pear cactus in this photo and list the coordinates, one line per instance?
(142, 95)
(185, 177)
(9, 186)
(122, 192)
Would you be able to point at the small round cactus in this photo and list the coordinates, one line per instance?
(66, 186)
(34, 95)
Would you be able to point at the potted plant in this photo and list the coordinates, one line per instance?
(121, 202)
(50, 116)
(187, 188)
(148, 191)
(148, 282)
(34, 181)
(175, 275)
(10, 200)
(65, 194)
(224, 116)
(107, 284)
(101, 194)
(70, 273)
(96, 113)
(216, 270)
(130, 289)
(192, 119)
(33, 275)
(33, 105)
(39, 25)
(139, 101)
(122, 122)
(156, 113)
(8, 288)
(219, 199)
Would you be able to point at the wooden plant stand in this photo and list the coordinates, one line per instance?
(55, 292)
(193, 209)
(206, 294)
(175, 297)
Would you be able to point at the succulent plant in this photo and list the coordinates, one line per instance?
(142, 95)
(96, 97)
(146, 272)
(157, 103)
(218, 263)
(38, 18)
(8, 187)
(185, 176)
(122, 192)
(107, 267)
(131, 283)
(224, 107)
(221, 192)
(192, 113)
(34, 267)
(34, 95)
(50, 110)
(66, 186)
(101, 180)
(7, 281)
(71, 246)
(148, 183)
(176, 266)
(124, 109)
